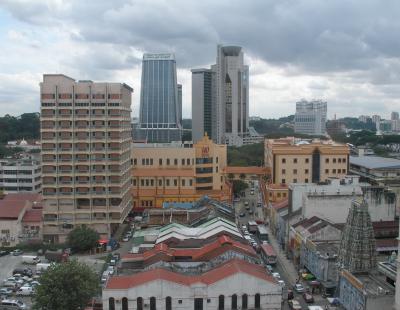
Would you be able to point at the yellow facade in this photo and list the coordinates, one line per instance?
(292, 160)
(178, 173)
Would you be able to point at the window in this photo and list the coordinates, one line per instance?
(111, 303)
(295, 160)
(283, 181)
(216, 169)
(221, 302)
(152, 303)
(188, 161)
(191, 182)
(143, 161)
(334, 160)
(307, 160)
(294, 180)
(283, 171)
(124, 303)
(180, 301)
(284, 195)
(151, 161)
(334, 171)
(234, 301)
(168, 161)
(160, 161)
(327, 160)
(294, 171)
(305, 180)
(283, 160)
(168, 303)
(167, 182)
(278, 195)
(142, 182)
(135, 161)
(183, 182)
(344, 160)
(244, 301)
(176, 162)
(175, 182)
(159, 182)
(139, 303)
(326, 171)
(257, 301)
(343, 170)
(339, 160)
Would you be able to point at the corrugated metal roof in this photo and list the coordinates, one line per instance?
(375, 162)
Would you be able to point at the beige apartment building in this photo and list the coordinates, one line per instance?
(294, 160)
(86, 155)
(178, 172)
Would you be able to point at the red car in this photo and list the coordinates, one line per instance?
(308, 298)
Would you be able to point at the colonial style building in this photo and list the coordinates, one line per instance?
(178, 172)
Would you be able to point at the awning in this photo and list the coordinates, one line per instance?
(103, 241)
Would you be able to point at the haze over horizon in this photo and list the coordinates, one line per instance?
(344, 52)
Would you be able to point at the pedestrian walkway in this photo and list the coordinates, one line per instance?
(287, 266)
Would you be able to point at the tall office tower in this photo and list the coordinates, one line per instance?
(232, 95)
(310, 117)
(180, 103)
(86, 155)
(376, 119)
(394, 116)
(203, 104)
(159, 103)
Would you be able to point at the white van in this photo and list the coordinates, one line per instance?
(25, 291)
(30, 259)
(8, 304)
(42, 267)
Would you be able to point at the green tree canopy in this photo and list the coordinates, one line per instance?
(82, 238)
(239, 186)
(64, 286)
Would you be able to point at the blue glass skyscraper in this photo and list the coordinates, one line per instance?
(159, 102)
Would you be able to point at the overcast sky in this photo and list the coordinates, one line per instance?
(343, 51)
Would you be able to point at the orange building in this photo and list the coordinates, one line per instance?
(178, 172)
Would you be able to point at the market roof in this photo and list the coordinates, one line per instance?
(375, 162)
(219, 273)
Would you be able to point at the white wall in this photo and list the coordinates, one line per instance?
(240, 283)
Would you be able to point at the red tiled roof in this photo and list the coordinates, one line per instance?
(12, 204)
(281, 204)
(223, 271)
(32, 216)
(206, 252)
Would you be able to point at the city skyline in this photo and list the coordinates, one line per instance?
(297, 55)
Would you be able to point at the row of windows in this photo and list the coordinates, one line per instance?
(168, 182)
(80, 96)
(327, 160)
(198, 302)
(306, 171)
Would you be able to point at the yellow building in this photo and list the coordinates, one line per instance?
(176, 172)
(294, 160)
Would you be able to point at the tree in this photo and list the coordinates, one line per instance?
(82, 239)
(242, 176)
(231, 176)
(63, 286)
(239, 186)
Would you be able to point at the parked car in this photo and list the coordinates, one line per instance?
(282, 283)
(16, 252)
(276, 275)
(246, 203)
(252, 192)
(6, 291)
(25, 291)
(270, 269)
(125, 239)
(251, 212)
(12, 304)
(298, 287)
(294, 304)
(242, 214)
(23, 271)
(308, 298)
(3, 253)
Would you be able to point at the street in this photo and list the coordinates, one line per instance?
(284, 267)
